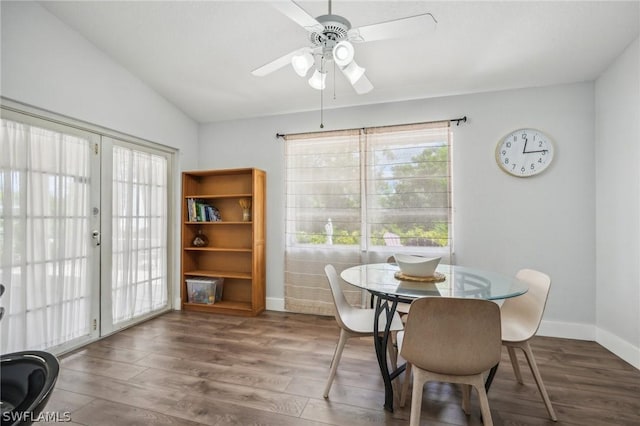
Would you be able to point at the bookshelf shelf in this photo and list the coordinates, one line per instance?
(214, 196)
(218, 223)
(237, 250)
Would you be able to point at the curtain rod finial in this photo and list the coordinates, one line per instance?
(458, 120)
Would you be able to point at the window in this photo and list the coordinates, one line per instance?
(359, 196)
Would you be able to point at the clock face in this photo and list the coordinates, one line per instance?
(524, 152)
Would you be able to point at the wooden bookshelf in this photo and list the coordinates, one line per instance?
(236, 247)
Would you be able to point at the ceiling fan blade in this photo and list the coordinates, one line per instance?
(276, 64)
(393, 29)
(363, 85)
(298, 15)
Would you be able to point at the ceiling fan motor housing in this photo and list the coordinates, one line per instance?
(335, 30)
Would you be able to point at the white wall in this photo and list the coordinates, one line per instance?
(617, 96)
(48, 65)
(501, 222)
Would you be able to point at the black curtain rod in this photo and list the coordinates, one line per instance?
(457, 121)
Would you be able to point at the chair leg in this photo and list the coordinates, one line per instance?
(405, 385)
(484, 401)
(335, 351)
(419, 377)
(393, 351)
(344, 335)
(466, 396)
(514, 363)
(536, 375)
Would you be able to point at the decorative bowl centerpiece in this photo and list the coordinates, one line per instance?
(416, 266)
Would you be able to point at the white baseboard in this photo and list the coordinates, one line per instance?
(620, 347)
(567, 330)
(275, 304)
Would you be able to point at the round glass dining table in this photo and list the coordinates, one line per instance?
(457, 281)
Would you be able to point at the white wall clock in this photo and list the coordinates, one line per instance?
(524, 152)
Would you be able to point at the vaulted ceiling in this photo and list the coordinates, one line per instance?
(199, 55)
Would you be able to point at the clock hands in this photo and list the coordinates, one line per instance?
(524, 148)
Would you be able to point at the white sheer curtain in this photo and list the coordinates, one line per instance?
(45, 185)
(139, 233)
(358, 196)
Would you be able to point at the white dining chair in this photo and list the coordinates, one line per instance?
(354, 322)
(521, 317)
(450, 340)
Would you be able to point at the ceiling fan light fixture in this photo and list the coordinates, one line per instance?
(353, 72)
(318, 80)
(343, 53)
(301, 63)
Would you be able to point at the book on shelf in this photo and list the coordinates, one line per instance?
(199, 211)
(191, 209)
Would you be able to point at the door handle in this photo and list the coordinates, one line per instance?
(96, 237)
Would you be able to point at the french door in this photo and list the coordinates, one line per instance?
(136, 194)
(83, 233)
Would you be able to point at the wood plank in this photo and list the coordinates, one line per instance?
(101, 367)
(221, 373)
(211, 390)
(101, 412)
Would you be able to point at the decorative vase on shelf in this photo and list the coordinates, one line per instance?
(245, 204)
(200, 240)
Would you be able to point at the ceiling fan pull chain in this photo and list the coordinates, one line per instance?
(334, 80)
(321, 112)
(322, 96)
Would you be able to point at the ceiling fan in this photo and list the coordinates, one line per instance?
(331, 38)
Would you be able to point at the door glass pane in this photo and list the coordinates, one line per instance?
(46, 218)
(139, 232)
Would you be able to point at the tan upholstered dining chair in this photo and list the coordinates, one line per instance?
(450, 340)
(353, 322)
(521, 318)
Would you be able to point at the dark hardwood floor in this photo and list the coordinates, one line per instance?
(194, 368)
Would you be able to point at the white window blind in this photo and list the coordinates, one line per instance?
(359, 196)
